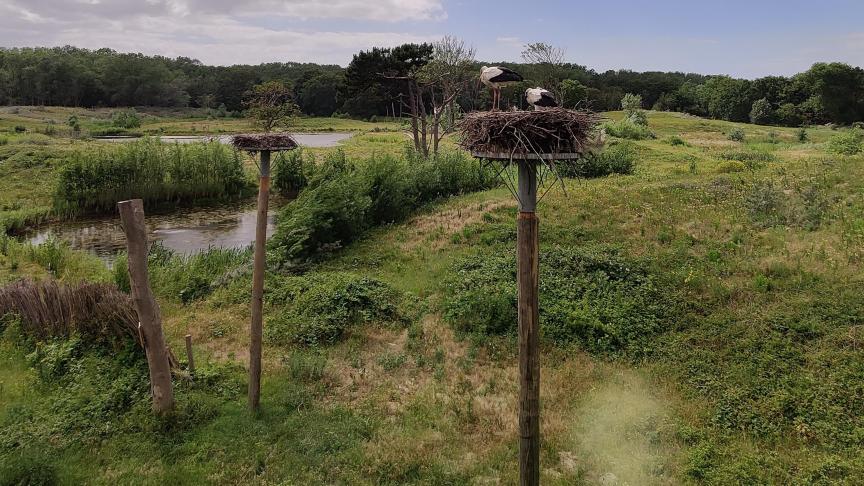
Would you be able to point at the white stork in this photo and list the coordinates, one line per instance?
(540, 98)
(495, 77)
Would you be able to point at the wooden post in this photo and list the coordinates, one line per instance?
(132, 217)
(528, 275)
(189, 358)
(260, 265)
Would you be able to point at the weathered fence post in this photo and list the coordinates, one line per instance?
(260, 265)
(132, 217)
(189, 357)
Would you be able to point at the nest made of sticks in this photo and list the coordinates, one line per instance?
(529, 133)
(256, 142)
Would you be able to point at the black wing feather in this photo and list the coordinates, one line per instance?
(546, 101)
(506, 76)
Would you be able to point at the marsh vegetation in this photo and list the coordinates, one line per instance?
(711, 282)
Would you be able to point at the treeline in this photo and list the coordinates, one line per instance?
(69, 76)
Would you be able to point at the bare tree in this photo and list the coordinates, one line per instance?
(548, 65)
(445, 77)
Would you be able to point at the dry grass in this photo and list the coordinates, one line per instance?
(48, 310)
(434, 231)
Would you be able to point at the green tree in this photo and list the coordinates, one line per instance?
(727, 98)
(762, 113)
(572, 93)
(271, 105)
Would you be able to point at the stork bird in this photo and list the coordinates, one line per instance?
(540, 98)
(496, 77)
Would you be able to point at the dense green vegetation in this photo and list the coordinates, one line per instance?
(701, 316)
(344, 199)
(68, 76)
(157, 172)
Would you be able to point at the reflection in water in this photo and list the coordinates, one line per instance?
(184, 231)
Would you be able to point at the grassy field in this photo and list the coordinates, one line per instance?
(751, 254)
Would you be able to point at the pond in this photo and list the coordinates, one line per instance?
(183, 230)
(314, 140)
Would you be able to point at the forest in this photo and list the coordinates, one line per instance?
(69, 76)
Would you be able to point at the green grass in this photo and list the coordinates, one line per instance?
(754, 378)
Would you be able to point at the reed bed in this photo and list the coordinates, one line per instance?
(49, 310)
(93, 181)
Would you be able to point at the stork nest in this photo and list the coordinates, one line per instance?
(256, 142)
(529, 133)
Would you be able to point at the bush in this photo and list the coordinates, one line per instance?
(676, 141)
(319, 308)
(730, 166)
(4, 141)
(802, 135)
(848, 142)
(95, 179)
(736, 135)
(631, 102)
(187, 277)
(762, 113)
(590, 296)
(752, 159)
(342, 200)
(291, 172)
(20, 129)
(126, 119)
(625, 128)
(617, 158)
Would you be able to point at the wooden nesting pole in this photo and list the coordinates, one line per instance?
(149, 317)
(528, 276)
(260, 266)
(530, 140)
(264, 144)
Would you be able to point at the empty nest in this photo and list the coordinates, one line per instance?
(541, 132)
(256, 142)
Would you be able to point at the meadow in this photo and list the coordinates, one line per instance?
(701, 321)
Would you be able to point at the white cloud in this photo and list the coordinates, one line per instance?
(217, 31)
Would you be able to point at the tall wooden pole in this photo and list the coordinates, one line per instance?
(149, 317)
(258, 270)
(528, 274)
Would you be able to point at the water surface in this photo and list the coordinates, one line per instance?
(184, 230)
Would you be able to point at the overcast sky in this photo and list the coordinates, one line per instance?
(742, 38)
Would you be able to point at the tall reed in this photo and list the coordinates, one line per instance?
(159, 173)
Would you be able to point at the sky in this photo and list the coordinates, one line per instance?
(740, 38)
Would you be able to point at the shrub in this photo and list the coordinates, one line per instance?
(736, 135)
(802, 135)
(676, 141)
(762, 113)
(617, 158)
(342, 200)
(319, 308)
(4, 141)
(291, 172)
(94, 180)
(848, 142)
(729, 166)
(625, 128)
(631, 102)
(187, 277)
(126, 119)
(590, 296)
(20, 129)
